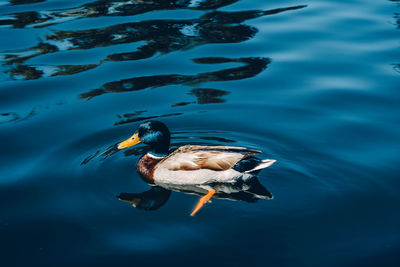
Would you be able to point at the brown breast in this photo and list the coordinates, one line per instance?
(146, 166)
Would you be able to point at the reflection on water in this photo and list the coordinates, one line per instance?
(208, 95)
(249, 191)
(396, 67)
(161, 36)
(133, 117)
(252, 66)
(23, 2)
(205, 96)
(102, 154)
(22, 56)
(31, 73)
(151, 199)
(121, 8)
(106, 8)
(15, 117)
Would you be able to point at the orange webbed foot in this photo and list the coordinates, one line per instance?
(202, 201)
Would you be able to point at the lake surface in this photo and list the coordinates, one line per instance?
(313, 84)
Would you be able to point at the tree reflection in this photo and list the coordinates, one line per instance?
(31, 73)
(252, 66)
(24, 2)
(103, 8)
(205, 96)
(161, 36)
(21, 57)
(208, 95)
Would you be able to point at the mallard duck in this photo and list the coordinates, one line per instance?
(191, 164)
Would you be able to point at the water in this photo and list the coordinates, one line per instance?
(313, 84)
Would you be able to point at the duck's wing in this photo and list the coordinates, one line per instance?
(217, 158)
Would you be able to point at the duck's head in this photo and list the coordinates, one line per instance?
(153, 133)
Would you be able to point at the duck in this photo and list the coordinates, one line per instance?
(191, 165)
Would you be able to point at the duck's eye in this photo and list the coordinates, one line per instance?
(140, 132)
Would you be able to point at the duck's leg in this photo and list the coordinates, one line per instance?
(202, 201)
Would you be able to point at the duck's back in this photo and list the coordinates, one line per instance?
(202, 165)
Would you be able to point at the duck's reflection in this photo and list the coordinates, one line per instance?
(151, 199)
(249, 191)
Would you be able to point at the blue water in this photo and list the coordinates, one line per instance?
(313, 84)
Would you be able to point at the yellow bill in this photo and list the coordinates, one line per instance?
(131, 141)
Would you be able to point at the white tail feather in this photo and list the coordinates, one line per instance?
(264, 164)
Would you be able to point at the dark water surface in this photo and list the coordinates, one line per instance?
(313, 84)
